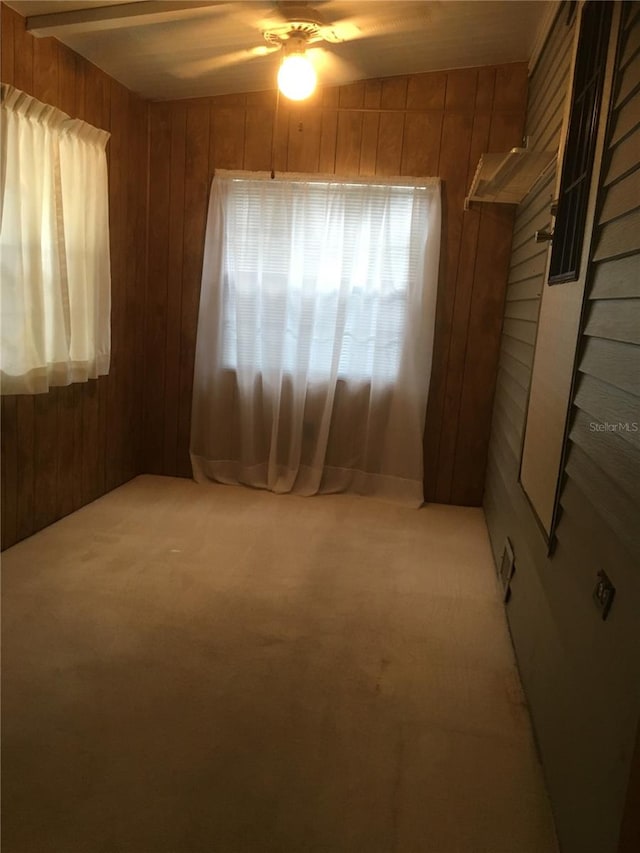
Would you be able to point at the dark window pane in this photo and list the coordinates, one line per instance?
(586, 98)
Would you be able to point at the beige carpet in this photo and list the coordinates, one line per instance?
(214, 669)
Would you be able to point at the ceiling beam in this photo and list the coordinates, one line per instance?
(118, 16)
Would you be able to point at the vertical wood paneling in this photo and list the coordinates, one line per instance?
(174, 289)
(461, 90)
(25, 454)
(156, 304)
(258, 136)
(422, 125)
(91, 462)
(23, 54)
(427, 91)
(280, 158)
(348, 143)
(421, 143)
(349, 133)
(228, 135)
(393, 96)
(487, 301)
(9, 470)
(481, 356)
(66, 447)
(467, 332)
(303, 150)
(106, 421)
(115, 382)
(67, 402)
(87, 398)
(134, 239)
(45, 70)
(458, 277)
(67, 79)
(8, 47)
(45, 458)
(370, 125)
(68, 459)
(197, 173)
(65, 451)
(328, 132)
(390, 143)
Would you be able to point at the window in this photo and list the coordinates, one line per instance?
(315, 333)
(54, 247)
(559, 321)
(577, 166)
(311, 261)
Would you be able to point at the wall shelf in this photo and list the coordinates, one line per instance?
(507, 178)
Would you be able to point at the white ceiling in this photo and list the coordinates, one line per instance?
(205, 50)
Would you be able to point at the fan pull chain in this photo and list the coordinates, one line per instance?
(273, 135)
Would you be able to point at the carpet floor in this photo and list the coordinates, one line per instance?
(212, 669)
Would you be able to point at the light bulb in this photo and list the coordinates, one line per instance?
(296, 78)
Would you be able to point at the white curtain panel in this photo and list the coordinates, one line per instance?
(315, 333)
(54, 247)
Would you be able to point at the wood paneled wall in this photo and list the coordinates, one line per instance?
(434, 124)
(63, 449)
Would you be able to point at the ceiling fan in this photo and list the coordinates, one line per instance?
(304, 36)
(297, 31)
(294, 37)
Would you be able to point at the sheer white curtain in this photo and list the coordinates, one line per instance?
(54, 247)
(315, 333)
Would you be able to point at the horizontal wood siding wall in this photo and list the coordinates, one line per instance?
(424, 125)
(582, 676)
(528, 261)
(63, 449)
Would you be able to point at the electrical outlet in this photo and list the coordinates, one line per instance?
(604, 593)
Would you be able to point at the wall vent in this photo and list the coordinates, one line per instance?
(507, 178)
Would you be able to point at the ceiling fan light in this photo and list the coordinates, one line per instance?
(296, 77)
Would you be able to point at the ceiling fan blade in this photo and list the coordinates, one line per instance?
(388, 18)
(260, 16)
(332, 70)
(294, 10)
(226, 25)
(214, 63)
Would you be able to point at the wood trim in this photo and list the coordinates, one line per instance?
(96, 18)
